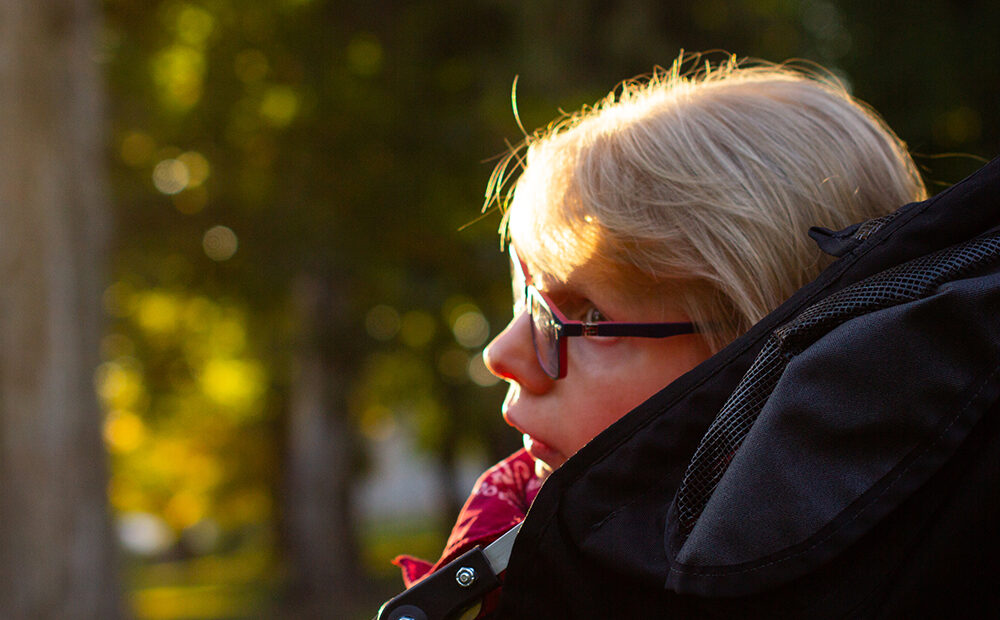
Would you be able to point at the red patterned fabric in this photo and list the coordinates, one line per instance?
(499, 501)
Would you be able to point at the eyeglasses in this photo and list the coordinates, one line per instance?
(550, 328)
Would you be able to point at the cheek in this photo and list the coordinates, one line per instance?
(626, 395)
(607, 408)
(642, 369)
(600, 409)
(606, 397)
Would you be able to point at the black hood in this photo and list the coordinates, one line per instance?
(874, 414)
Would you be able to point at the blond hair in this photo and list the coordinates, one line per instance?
(702, 185)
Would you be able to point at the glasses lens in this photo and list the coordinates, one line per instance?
(545, 335)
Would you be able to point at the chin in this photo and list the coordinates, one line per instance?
(542, 469)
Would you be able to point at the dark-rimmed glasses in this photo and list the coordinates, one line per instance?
(550, 327)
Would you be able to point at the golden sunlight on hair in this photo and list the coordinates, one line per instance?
(705, 174)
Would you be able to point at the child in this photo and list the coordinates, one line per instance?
(649, 231)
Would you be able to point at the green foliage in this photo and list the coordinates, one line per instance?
(186, 400)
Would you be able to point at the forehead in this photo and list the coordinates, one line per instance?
(550, 252)
(546, 219)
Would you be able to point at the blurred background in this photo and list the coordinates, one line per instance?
(246, 281)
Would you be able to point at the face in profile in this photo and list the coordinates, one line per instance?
(605, 377)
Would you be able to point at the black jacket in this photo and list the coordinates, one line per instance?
(842, 459)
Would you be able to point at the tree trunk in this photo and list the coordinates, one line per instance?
(56, 547)
(319, 511)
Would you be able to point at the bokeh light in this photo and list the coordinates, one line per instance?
(178, 71)
(157, 312)
(219, 243)
(194, 25)
(364, 54)
(143, 533)
(279, 105)
(137, 148)
(471, 328)
(233, 383)
(124, 431)
(958, 126)
(171, 176)
(479, 373)
(197, 168)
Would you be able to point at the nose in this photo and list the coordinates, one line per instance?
(511, 356)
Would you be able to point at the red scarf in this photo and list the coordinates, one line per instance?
(499, 501)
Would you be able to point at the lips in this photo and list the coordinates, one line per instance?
(545, 455)
(543, 452)
(513, 391)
